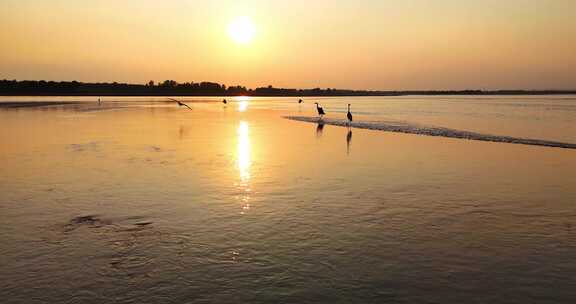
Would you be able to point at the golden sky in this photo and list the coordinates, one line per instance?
(360, 44)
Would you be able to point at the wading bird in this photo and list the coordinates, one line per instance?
(320, 110)
(300, 101)
(224, 101)
(349, 115)
(180, 103)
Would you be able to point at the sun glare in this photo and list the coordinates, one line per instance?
(242, 30)
(244, 160)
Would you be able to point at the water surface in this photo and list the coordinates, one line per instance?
(139, 201)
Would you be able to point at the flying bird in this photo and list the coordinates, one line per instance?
(180, 103)
(320, 110)
(349, 115)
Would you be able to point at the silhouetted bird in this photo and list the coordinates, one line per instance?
(349, 115)
(224, 101)
(320, 110)
(299, 100)
(99, 101)
(180, 103)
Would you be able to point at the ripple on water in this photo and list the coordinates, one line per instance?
(126, 240)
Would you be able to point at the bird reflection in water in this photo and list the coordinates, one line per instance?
(244, 163)
(182, 132)
(348, 141)
(319, 129)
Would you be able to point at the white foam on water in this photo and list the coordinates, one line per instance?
(404, 127)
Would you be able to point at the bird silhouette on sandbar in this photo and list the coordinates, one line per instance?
(349, 116)
(321, 112)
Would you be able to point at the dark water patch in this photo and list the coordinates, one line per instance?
(92, 221)
(126, 241)
(89, 146)
(134, 224)
(33, 104)
(95, 108)
(142, 224)
(158, 149)
(155, 149)
(408, 128)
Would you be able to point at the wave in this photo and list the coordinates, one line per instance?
(404, 127)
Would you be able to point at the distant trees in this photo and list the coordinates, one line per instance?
(171, 87)
(169, 84)
(166, 87)
(238, 90)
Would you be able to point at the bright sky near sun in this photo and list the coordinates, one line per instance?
(360, 44)
(242, 30)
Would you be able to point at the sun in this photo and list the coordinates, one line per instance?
(242, 30)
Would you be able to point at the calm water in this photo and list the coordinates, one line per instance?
(139, 201)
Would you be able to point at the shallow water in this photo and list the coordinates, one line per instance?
(144, 202)
(550, 118)
(418, 129)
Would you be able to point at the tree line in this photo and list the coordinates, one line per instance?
(171, 87)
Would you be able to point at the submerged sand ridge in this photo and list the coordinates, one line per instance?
(409, 128)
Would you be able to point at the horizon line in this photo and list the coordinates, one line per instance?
(237, 90)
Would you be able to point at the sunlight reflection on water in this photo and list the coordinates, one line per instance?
(244, 162)
(242, 103)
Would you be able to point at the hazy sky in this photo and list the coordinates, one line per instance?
(361, 44)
